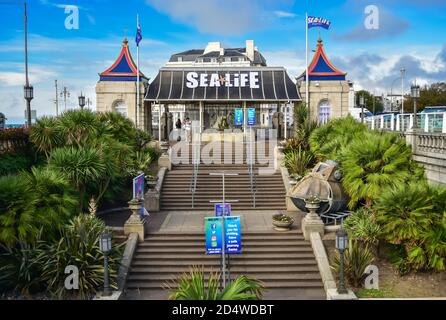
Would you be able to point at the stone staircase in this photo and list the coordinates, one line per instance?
(269, 195)
(284, 262)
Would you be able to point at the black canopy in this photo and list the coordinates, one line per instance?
(222, 84)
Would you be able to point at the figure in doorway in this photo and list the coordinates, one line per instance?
(188, 127)
(178, 126)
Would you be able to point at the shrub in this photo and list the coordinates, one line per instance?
(362, 226)
(372, 163)
(78, 246)
(413, 219)
(46, 135)
(194, 286)
(356, 260)
(299, 161)
(30, 202)
(14, 162)
(328, 141)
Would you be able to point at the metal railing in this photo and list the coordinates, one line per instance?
(434, 122)
(196, 159)
(250, 146)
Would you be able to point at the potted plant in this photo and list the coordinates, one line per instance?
(282, 222)
(151, 181)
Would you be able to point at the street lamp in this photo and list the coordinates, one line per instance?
(362, 103)
(415, 93)
(29, 95)
(82, 101)
(105, 245)
(341, 245)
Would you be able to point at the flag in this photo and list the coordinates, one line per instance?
(138, 34)
(314, 22)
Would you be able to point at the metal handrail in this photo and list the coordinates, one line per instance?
(196, 159)
(252, 177)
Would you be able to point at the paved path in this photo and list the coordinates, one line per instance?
(190, 221)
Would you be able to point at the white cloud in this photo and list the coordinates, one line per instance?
(284, 14)
(229, 17)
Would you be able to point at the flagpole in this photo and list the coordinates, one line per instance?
(137, 77)
(307, 100)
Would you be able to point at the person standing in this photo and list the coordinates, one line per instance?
(178, 126)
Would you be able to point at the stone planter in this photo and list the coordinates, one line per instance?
(282, 225)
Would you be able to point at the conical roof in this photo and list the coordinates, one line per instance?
(124, 68)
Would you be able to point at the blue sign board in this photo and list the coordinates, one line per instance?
(238, 117)
(251, 116)
(214, 235)
(233, 241)
(219, 210)
(138, 191)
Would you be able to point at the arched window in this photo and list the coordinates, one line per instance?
(120, 107)
(324, 111)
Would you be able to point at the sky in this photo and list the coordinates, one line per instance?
(410, 34)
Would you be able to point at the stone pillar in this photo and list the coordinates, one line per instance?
(312, 222)
(135, 224)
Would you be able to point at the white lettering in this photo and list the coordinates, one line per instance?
(203, 80)
(228, 80)
(243, 79)
(236, 80)
(254, 80)
(192, 80)
(214, 82)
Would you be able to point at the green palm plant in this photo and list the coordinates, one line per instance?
(413, 219)
(299, 161)
(46, 135)
(194, 286)
(356, 260)
(78, 245)
(50, 196)
(119, 127)
(373, 162)
(362, 226)
(328, 141)
(83, 166)
(78, 127)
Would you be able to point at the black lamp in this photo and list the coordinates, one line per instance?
(105, 245)
(341, 245)
(82, 101)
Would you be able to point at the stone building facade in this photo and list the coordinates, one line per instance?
(330, 94)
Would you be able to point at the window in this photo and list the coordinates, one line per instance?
(324, 111)
(180, 59)
(234, 59)
(207, 60)
(214, 60)
(120, 107)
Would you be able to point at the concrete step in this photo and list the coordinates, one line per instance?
(272, 264)
(268, 284)
(246, 250)
(244, 256)
(259, 276)
(234, 269)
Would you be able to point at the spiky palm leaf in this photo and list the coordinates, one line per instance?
(46, 135)
(372, 163)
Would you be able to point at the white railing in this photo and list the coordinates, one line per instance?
(429, 122)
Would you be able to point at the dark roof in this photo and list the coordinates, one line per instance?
(274, 84)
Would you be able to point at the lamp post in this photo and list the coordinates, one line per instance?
(28, 89)
(362, 103)
(105, 245)
(341, 245)
(65, 94)
(415, 93)
(82, 101)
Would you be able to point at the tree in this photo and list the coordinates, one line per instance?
(369, 98)
(430, 95)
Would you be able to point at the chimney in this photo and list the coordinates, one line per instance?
(250, 49)
(212, 46)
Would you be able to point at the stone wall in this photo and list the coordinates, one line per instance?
(108, 93)
(336, 92)
(429, 150)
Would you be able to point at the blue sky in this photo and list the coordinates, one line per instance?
(411, 34)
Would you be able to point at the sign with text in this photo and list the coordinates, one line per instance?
(214, 235)
(138, 191)
(220, 211)
(238, 117)
(233, 241)
(251, 117)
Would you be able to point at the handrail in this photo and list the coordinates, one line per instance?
(196, 159)
(251, 160)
